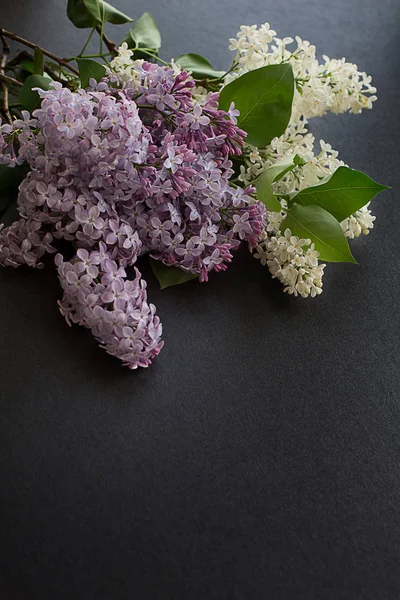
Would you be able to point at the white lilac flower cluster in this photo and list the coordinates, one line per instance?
(359, 223)
(291, 260)
(332, 86)
(335, 85)
(126, 68)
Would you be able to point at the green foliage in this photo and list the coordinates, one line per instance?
(200, 67)
(270, 175)
(112, 15)
(89, 13)
(10, 178)
(144, 34)
(320, 227)
(38, 62)
(83, 13)
(89, 69)
(341, 194)
(27, 65)
(168, 276)
(28, 97)
(264, 98)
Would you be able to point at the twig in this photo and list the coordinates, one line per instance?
(87, 42)
(146, 51)
(4, 86)
(15, 62)
(110, 44)
(21, 40)
(6, 79)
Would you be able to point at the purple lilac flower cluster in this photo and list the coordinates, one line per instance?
(119, 170)
(98, 296)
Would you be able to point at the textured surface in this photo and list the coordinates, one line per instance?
(259, 456)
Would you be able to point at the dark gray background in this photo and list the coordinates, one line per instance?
(259, 456)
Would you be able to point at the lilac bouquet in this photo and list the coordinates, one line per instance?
(177, 161)
(119, 170)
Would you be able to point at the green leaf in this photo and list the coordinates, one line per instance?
(275, 172)
(27, 65)
(341, 194)
(322, 228)
(89, 69)
(62, 73)
(29, 98)
(112, 15)
(5, 200)
(264, 98)
(84, 13)
(168, 276)
(200, 67)
(88, 13)
(144, 33)
(38, 62)
(10, 178)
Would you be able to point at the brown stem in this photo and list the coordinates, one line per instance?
(6, 79)
(111, 47)
(3, 61)
(15, 62)
(21, 40)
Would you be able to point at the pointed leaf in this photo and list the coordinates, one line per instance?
(27, 65)
(84, 13)
(89, 69)
(5, 199)
(198, 65)
(112, 15)
(275, 172)
(144, 33)
(342, 194)
(168, 276)
(89, 13)
(10, 178)
(63, 75)
(322, 228)
(264, 98)
(94, 9)
(29, 98)
(38, 61)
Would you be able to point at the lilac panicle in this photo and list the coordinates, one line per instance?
(120, 169)
(98, 296)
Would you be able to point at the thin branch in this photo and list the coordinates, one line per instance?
(21, 40)
(25, 55)
(87, 42)
(146, 51)
(109, 43)
(14, 62)
(6, 79)
(3, 61)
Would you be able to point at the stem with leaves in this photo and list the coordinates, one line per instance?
(25, 55)
(81, 53)
(151, 53)
(111, 47)
(17, 38)
(10, 80)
